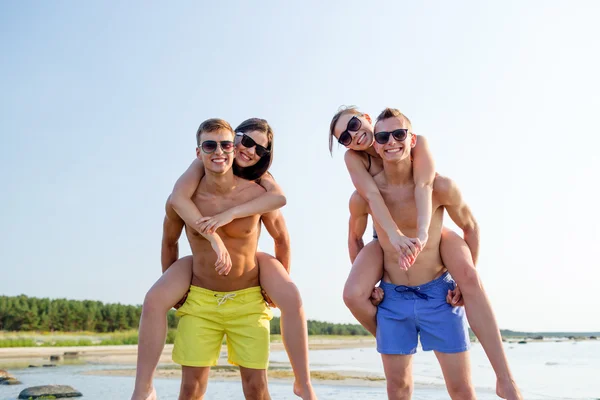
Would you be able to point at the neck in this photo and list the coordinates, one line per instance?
(222, 183)
(398, 172)
(371, 151)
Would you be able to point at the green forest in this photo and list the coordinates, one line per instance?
(23, 313)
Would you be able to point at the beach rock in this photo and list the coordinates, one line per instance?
(49, 365)
(55, 358)
(522, 342)
(4, 374)
(58, 391)
(71, 354)
(10, 381)
(33, 366)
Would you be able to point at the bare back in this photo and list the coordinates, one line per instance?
(400, 200)
(239, 236)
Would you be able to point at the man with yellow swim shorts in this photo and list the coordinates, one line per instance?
(221, 303)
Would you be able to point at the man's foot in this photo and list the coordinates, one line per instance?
(149, 395)
(508, 390)
(305, 392)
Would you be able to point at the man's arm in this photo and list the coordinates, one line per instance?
(275, 224)
(172, 228)
(451, 198)
(358, 224)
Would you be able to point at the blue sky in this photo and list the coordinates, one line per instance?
(101, 101)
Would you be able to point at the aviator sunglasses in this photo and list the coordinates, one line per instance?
(249, 143)
(398, 135)
(210, 146)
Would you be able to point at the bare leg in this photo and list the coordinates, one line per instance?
(254, 383)
(398, 373)
(279, 286)
(366, 271)
(457, 258)
(167, 291)
(194, 381)
(456, 368)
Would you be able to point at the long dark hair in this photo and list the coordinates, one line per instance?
(257, 170)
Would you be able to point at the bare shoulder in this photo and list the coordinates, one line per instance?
(357, 202)
(248, 189)
(353, 157)
(444, 189)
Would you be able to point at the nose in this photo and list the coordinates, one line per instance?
(219, 149)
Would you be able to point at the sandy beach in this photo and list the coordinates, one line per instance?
(125, 355)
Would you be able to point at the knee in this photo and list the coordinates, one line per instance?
(255, 388)
(154, 303)
(292, 302)
(353, 295)
(462, 391)
(399, 388)
(192, 390)
(469, 281)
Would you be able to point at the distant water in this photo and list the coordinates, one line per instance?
(545, 371)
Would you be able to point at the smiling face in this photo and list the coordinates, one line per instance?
(247, 156)
(218, 159)
(394, 150)
(356, 128)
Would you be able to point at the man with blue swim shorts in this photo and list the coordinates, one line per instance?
(415, 300)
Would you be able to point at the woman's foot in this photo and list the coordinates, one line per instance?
(305, 392)
(508, 390)
(147, 395)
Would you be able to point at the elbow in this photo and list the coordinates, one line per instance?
(471, 229)
(281, 200)
(175, 201)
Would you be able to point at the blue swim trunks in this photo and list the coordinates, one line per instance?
(407, 312)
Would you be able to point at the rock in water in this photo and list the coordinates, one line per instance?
(58, 391)
(5, 376)
(9, 381)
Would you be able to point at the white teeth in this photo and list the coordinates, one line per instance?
(360, 140)
(392, 151)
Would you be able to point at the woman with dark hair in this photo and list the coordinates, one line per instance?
(254, 155)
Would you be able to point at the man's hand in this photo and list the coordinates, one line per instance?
(211, 224)
(268, 299)
(181, 302)
(376, 296)
(223, 264)
(454, 297)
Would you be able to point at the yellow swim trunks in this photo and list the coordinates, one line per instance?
(206, 316)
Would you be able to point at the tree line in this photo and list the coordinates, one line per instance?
(23, 313)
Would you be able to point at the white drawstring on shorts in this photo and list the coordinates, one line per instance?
(222, 298)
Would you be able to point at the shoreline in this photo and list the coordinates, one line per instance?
(127, 354)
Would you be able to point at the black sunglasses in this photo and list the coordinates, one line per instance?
(353, 125)
(249, 143)
(210, 146)
(398, 134)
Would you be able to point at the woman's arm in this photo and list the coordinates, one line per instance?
(367, 188)
(184, 189)
(272, 200)
(424, 175)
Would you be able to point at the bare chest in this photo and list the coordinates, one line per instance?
(210, 205)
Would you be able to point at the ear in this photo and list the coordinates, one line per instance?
(368, 117)
(198, 154)
(413, 140)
